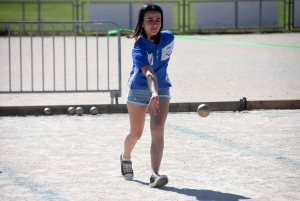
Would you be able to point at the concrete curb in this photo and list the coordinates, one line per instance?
(241, 105)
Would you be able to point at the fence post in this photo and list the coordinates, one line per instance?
(260, 16)
(236, 14)
(23, 14)
(77, 15)
(289, 14)
(39, 15)
(183, 13)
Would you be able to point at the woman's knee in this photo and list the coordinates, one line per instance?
(135, 135)
(157, 126)
(157, 130)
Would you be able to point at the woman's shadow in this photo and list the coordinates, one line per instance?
(206, 195)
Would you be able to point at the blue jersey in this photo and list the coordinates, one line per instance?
(157, 55)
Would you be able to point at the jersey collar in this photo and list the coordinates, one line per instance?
(148, 43)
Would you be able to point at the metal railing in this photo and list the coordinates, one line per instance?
(294, 8)
(242, 15)
(235, 15)
(44, 62)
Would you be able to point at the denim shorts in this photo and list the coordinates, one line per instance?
(142, 96)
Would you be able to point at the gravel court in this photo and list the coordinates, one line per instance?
(226, 156)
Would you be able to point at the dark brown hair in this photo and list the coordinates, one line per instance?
(139, 31)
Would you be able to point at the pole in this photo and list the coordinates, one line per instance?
(260, 16)
(77, 15)
(183, 23)
(289, 14)
(39, 15)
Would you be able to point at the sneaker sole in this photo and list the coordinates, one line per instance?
(126, 178)
(159, 182)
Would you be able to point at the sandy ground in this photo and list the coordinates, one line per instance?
(226, 156)
(250, 155)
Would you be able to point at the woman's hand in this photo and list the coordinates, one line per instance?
(153, 104)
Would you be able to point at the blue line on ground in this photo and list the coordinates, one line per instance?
(26, 183)
(235, 145)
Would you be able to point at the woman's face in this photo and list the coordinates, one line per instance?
(152, 23)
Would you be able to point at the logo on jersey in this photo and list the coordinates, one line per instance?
(150, 58)
(167, 51)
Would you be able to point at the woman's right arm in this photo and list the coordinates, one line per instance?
(153, 87)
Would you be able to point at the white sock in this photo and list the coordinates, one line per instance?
(124, 159)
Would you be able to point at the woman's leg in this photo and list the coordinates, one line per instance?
(137, 116)
(157, 124)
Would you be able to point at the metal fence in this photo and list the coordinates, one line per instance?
(295, 7)
(181, 16)
(242, 15)
(235, 14)
(44, 62)
(126, 14)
